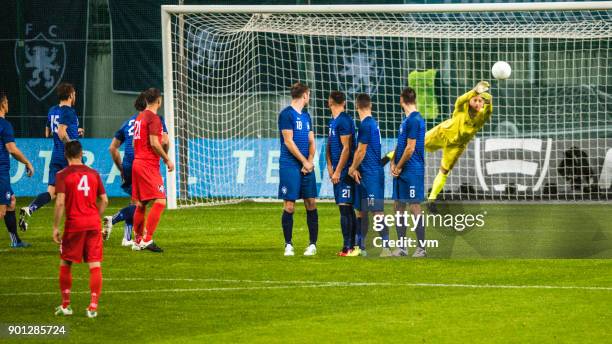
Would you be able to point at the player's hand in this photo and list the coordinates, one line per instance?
(335, 178)
(29, 170)
(169, 165)
(356, 177)
(81, 132)
(395, 171)
(56, 236)
(482, 87)
(308, 166)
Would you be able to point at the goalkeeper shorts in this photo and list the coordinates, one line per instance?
(435, 139)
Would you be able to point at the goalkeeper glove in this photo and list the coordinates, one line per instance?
(482, 87)
(385, 160)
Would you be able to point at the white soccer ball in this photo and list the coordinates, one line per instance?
(501, 70)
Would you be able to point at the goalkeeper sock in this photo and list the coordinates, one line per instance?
(312, 219)
(346, 224)
(124, 214)
(437, 186)
(139, 223)
(11, 225)
(65, 279)
(153, 219)
(95, 286)
(287, 223)
(40, 201)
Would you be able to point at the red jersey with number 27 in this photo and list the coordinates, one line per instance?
(147, 123)
(81, 186)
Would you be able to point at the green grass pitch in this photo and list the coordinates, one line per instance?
(222, 278)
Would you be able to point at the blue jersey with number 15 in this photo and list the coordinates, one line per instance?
(67, 116)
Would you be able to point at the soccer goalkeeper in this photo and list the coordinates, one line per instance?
(472, 111)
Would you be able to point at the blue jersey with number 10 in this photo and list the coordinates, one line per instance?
(300, 123)
(67, 116)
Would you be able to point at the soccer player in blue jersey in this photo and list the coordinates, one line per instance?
(339, 155)
(63, 124)
(7, 196)
(124, 136)
(408, 170)
(368, 173)
(296, 168)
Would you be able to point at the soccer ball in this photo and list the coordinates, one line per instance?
(501, 70)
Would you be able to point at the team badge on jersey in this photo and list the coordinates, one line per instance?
(284, 190)
(44, 65)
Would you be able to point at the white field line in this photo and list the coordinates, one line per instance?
(294, 284)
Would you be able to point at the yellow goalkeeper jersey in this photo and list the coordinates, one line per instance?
(461, 128)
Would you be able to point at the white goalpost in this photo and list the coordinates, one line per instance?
(227, 72)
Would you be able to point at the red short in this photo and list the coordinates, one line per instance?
(82, 246)
(147, 182)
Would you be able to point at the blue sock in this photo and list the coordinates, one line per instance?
(126, 214)
(420, 233)
(40, 201)
(364, 229)
(11, 225)
(287, 222)
(127, 231)
(401, 233)
(357, 231)
(346, 224)
(312, 219)
(384, 234)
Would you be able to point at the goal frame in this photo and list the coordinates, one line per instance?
(168, 10)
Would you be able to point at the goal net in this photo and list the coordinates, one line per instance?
(227, 73)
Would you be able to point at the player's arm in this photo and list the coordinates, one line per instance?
(102, 203)
(11, 147)
(159, 150)
(312, 149)
(357, 159)
(488, 107)
(62, 133)
(47, 132)
(330, 168)
(58, 213)
(114, 152)
(344, 155)
(165, 138)
(292, 147)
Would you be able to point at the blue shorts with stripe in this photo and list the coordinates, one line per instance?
(55, 167)
(344, 191)
(294, 185)
(409, 188)
(370, 193)
(6, 192)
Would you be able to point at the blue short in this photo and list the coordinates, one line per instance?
(296, 185)
(409, 188)
(370, 194)
(55, 167)
(6, 192)
(344, 191)
(126, 185)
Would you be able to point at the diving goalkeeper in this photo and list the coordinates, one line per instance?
(472, 111)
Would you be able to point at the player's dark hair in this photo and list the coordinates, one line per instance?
(337, 97)
(73, 149)
(140, 103)
(3, 96)
(298, 89)
(363, 101)
(64, 91)
(151, 95)
(408, 95)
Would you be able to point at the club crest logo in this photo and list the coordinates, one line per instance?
(44, 65)
(161, 188)
(356, 66)
(525, 161)
(8, 195)
(284, 190)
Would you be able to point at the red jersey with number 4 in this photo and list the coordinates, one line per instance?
(147, 123)
(81, 186)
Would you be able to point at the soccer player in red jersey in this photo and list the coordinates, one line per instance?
(147, 182)
(81, 193)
